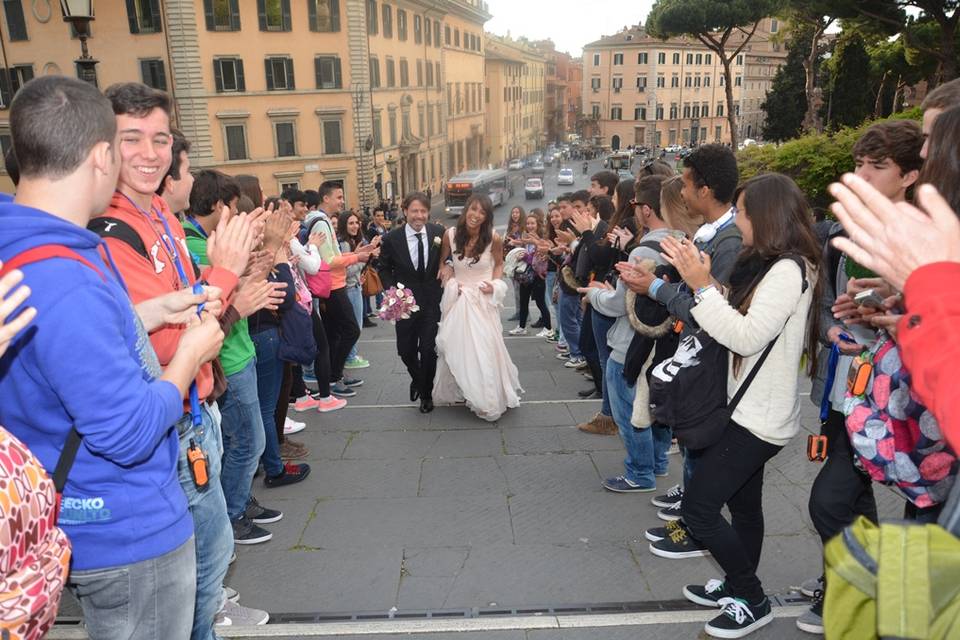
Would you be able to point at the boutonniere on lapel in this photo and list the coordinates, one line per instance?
(437, 241)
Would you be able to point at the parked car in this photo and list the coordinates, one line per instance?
(548, 160)
(565, 177)
(516, 164)
(533, 189)
(537, 168)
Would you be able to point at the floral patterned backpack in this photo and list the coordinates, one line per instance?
(896, 439)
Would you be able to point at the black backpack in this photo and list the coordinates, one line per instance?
(688, 392)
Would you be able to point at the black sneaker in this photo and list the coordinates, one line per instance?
(245, 532)
(678, 544)
(292, 474)
(708, 595)
(656, 534)
(811, 620)
(671, 513)
(673, 495)
(739, 618)
(259, 514)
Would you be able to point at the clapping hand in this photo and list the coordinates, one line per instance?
(178, 307)
(636, 277)
(230, 243)
(596, 284)
(692, 264)
(583, 221)
(317, 238)
(565, 237)
(621, 234)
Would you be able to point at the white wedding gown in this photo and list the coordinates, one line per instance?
(473, 364)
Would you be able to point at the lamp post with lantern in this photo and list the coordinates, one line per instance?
(79, 13)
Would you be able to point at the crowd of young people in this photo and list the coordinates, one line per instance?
(195, 310)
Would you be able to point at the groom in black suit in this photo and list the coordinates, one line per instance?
(411, 255)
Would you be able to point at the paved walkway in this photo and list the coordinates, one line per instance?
(406, 514)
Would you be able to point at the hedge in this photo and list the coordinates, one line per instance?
(814, 160)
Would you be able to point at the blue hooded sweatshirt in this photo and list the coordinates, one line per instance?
(87, 361)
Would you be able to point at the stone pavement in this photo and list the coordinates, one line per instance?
(424, 513)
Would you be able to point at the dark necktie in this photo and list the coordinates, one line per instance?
(421, 267)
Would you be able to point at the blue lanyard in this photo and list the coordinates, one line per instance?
(196, 224)
(831, 378)
(170, 245)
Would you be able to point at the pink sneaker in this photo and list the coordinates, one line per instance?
(330, 403)
(305, 403)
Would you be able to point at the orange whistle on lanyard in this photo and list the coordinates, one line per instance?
(197, 460)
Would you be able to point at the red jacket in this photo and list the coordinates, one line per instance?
(929, 339)
(147, 279)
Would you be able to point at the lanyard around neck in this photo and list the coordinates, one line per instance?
(200, 229)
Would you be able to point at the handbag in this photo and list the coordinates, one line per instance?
(372, 285)
(297, 344)
(320, 282)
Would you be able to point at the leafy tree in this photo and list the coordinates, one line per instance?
(786, 102)
(850, 101)
(723, 26)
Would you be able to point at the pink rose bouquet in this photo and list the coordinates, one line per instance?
(398, 304)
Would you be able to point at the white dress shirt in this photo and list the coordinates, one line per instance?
(412, 245)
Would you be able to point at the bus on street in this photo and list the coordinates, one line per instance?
(493, 183)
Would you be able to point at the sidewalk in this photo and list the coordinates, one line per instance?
(406, 514)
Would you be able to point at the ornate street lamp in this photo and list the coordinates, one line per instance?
(79, 13)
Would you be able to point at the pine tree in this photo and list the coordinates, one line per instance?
(850, 101)
(786, 102)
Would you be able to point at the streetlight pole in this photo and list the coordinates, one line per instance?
(79, 13)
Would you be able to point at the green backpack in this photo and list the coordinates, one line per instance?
(895, 580)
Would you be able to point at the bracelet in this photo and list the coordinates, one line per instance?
(702, 289)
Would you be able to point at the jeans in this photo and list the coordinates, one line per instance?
(730, 472)
(342, 330)
(148, 600)
(601, 326)
(355, 295)
(243, 438)
(570, 321)
(840, 492)
(269, 381)
(638, 465)
(662, 439)
(213, 535)
(548, 296)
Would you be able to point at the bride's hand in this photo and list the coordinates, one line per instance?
(486, 288)
(445, 273)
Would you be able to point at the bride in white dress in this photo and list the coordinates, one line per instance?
(473, 363)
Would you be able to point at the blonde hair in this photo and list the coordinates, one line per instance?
(674, 210)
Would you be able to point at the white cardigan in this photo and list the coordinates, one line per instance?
(770, 409)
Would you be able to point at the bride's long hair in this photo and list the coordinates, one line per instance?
(461, 236)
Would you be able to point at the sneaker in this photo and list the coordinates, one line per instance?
(305, 403)
(293, 450)
(810, 587)
(678, 544)
(245, 532)
(233, 614)
(561, 346)
(669, 514)
(356, 363)
(656, 534)
(739, 618)
(563, 356)
(544, 333)
(589, 394)
(811, 620)
(674, 449)
(351, 382)
(708, 595)
(330, 403)
(673, 495)
(621, 484)
(258, 514)
(583, 366)
(342, 390)
(292, 426)
(661, 474)
(292, 474)
(518, 331)
(230, 594)
(553, 337)
(588, 376)
(600, 424)
(575, 363)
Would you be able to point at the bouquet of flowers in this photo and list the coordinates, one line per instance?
(398, 304)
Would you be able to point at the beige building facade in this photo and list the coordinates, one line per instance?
(515, 96)
(293, 91)
(642, 91)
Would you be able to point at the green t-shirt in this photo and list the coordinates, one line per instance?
(238, 349)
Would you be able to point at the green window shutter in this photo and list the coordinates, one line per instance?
(312, 14)
(132, 16)
(334, 15)
(235, 15)
(337, 77)
(262, 14)
(217, 76)
(269, 68)
(291, 83)
(241, 83)
(157, 18)
(208, 14)
(287, 23)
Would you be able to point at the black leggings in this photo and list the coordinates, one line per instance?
(730, 473)
(321, 364)
(342, 330)
(536, 290)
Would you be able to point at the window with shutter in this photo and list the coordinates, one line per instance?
(274, 15)
(332, 137)
(387, 20)
(419, 73)
(152, 74)
(236, 141)
(16, 24)
(372, 17)
(222, 15)
(446, 35)
(286, 139)
(279, 73)
(436, 34)
(374, 73)
(324, 15)
(328, 72)
(228, 75)
(417, 29)
(404, 74)
(391, 73)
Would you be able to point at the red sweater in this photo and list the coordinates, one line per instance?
(929, 339)
(147, 279)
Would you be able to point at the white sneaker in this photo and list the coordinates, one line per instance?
(292, 426)
(519, 331)
(573, 363)
(233, 614)
(544, 333)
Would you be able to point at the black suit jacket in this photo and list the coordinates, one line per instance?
(396, 266)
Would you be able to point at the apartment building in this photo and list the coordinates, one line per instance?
(515, 96)
(293, 91)
(639, 90)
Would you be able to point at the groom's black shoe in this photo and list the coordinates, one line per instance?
(414, 392)
(426, 405)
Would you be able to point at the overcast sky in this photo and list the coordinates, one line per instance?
(569, 23)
